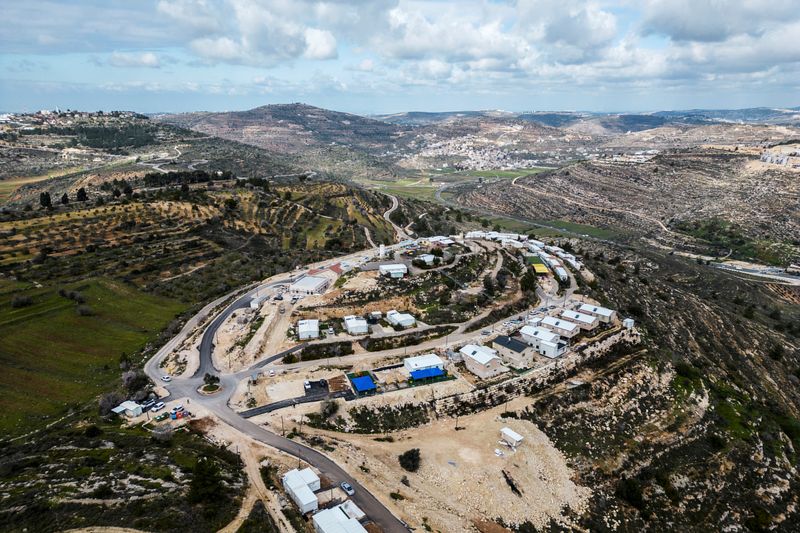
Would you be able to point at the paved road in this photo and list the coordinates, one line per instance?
(218, 405)
(401, 234)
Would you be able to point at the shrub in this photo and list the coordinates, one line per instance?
(84, 310)
(410, 459)
(21, 301)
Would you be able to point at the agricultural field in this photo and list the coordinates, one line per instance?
(61, 351)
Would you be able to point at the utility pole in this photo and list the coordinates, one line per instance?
(283, 433)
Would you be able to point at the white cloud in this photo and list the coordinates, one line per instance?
(127, 59)
(716, 20)
(483, 46)
(320, 44)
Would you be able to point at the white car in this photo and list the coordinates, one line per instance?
(166, 379)
(272, 373)
(159, 406)
(177, 409)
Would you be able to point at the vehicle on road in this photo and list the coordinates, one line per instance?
(307, 384)
(177, 409)
(278, 297)
(486, 332)
(294, 299)
(158, 406)
(272, 373)
(166, 379)
(348, 488)
(162, 416)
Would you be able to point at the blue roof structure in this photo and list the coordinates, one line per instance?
(427, 373)
(363, 384)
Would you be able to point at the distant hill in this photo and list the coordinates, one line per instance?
(291, 127)
(752, 115)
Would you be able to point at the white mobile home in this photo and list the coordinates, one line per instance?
(300, 486)
(308, 329)
(355, 325)
(603, 314)
(423, 362)
(511, 437)
(309, 285)
(584, 321)
(128, 408)
(428, 259)
(404, 320)
(564, 328)
(339, 519)
(393, 271)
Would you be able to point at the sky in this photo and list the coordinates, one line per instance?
(386, 56)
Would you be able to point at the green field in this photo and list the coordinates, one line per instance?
(52, 358)
(582, 229)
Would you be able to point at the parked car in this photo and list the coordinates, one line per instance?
(177, 409)
(162, 416)
(148, 405)
(272, 373)
(166, 379)
(278, 297)
(348, 488)
(294, 299)
(307, 384)
(486, 332)
(158, 406)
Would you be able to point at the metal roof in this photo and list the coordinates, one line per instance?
(363, 383)
(511, 343)
(426, 373)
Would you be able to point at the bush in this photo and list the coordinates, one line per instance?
(21, 301)
(630, 490)
(410, 459)
(109, 401)
(84, 310)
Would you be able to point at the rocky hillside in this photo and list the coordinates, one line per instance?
(699, 432)
(672, 197)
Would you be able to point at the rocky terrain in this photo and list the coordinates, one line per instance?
(701, 431)
(660, 197)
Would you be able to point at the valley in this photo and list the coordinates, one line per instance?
(318, 294)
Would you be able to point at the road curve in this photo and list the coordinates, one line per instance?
(401, 234)
(218, 405)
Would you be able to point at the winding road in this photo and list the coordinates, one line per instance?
(217, 404)
(401, 234)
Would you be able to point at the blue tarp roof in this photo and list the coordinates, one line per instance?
(426, 373)
(363, 384)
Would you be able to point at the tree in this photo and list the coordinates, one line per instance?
(206, 485)
(44, 200)
(528, 281)
(231, 204)
(82, 196)
(287, 195)
(410, 459)
(127, 190)
(134, 380)
(64, 199)
(210, 379)
(488, 284)
(117, 193)
(109, 401)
